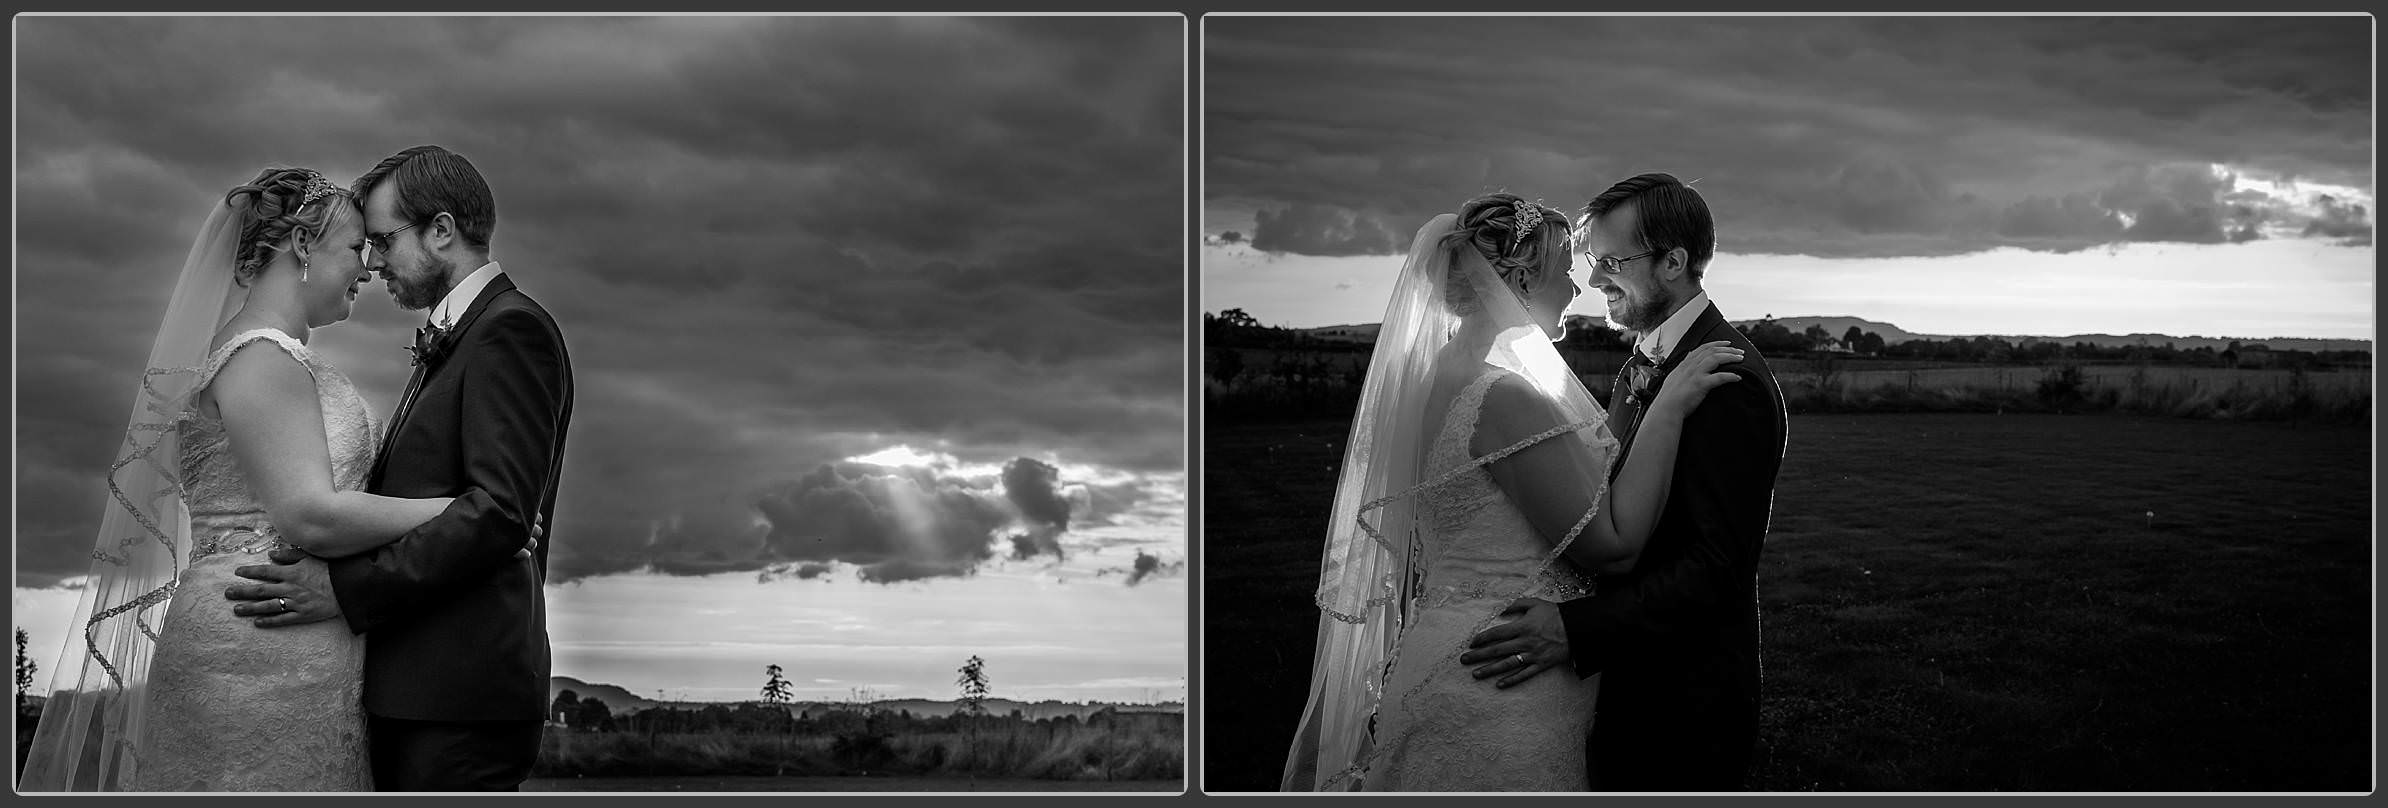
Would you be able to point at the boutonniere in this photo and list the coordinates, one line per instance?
(1645, 379)
(431, 344)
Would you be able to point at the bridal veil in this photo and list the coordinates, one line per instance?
(98, 701)
(1367, 571)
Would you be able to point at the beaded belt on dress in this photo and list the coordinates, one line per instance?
(220, 541)
(1554, 588)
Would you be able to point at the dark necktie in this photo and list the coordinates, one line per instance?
(406, 402)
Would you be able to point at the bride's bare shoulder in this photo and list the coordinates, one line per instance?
(262, 363)
(1513, 408)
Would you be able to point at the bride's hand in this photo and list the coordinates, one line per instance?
(1699, 373)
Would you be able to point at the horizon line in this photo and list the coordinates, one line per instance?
(1604, 321)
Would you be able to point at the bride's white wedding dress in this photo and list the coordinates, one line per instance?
(233, 707)
(1439, 728)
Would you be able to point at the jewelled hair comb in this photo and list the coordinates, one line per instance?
(318, 187)
(1529, 215)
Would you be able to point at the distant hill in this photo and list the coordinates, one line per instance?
(1836, 326)
(1030, 710)
(617, 699)
(1364, 332)
(622, 702)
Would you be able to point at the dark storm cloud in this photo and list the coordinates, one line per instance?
(2341, 220)
(1829, 137)
(1145, 567)
(1321, 230)
(771, 242)
(889, 523)
(896, 524)
(1030, 484)
(1148, 565)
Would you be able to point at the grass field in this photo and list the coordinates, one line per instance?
(820, 784)
(1951, 603)
(1003, 750)
(2021, 378)
(1285, 384)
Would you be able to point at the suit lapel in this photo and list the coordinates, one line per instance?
(496, 286)
(1625, 413)
(1694, 336)
(381, 456)
(422, 375)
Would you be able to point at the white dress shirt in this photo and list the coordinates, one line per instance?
(460, 298)
(1660, 342)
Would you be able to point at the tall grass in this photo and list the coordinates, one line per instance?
(2201, 393)
(1018, 749)
(1276, 386)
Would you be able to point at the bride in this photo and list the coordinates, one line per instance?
(241, 440)
(1479, 471)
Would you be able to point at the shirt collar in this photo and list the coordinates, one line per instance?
(460, 298)
(1661, 341)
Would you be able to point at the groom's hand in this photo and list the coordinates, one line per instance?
(290, 594)
(538, 531)
(1532, 641)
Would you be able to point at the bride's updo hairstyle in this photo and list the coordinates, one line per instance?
(1522, 240)
(278, 203)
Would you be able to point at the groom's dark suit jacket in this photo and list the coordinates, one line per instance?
(455, 626)
(1676, 639)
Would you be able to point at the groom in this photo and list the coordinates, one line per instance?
(1676, 637)
(456, 654)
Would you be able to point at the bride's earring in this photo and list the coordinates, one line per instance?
(302, 270)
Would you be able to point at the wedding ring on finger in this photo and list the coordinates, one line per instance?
(1521, 660)
(285, 604)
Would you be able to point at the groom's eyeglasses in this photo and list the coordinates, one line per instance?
(1611, 265)
(380, 242)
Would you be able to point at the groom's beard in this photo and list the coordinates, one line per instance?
(423, 293)
(1645, 314)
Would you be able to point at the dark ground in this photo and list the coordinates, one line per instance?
(1951, 603)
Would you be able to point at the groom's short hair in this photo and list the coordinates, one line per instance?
(1672, 215)
(431, 181)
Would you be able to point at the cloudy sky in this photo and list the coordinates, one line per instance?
(876, 322)
(2048, 176)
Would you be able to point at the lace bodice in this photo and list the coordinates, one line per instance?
(1471, 548)
(226, 516)
(1440, 729)
(219, 684)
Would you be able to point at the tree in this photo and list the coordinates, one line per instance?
(1226, 363)
(592, 714)
(1590, 333)
(973, 681)
(565, 705)
(1237, 317)
(25, 669)
(775, 686)
(1771, 337)
(1868, 342)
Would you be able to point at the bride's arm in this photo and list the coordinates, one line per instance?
(1553, 481)
(275, 424)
